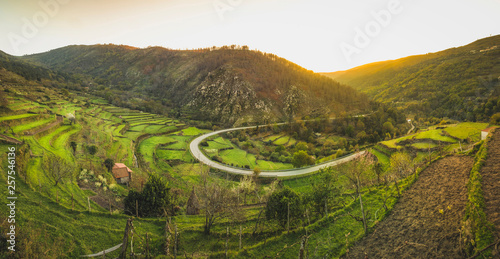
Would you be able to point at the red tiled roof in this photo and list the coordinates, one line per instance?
(119, 165)
(121, 170)
(488, 129)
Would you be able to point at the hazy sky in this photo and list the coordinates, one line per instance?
(321, 35)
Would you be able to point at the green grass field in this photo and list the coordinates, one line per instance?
(467, 130)
(435, 135)
(382, 158)
(219, 143)
(393, 142)
(269, 165)
(281, 141)
(423, 145)
(117, 130)
(192, 131)
(170, 154)
(430, 134)
(182, 142)
(147, 147)
(17, 117)
(235, 156)
(31, 125)
(272, 138)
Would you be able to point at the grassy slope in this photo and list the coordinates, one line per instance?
(84, 232)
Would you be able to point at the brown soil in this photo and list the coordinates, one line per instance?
(416, 228)
(10, 140)
(53, 124)
(101, 198)
(491, 182)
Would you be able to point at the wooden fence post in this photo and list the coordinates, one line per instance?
(167, 238)
(240, 237)
(147, 245)
(123, 252)
(302, 253)
(227, 238)
(175, 242)
(288, 218)
(88, 201)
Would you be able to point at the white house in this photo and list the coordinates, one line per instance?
(485, 132)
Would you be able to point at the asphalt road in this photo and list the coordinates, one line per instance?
(194, 147)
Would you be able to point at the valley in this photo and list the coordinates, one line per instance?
(231, 153)
(268, 168)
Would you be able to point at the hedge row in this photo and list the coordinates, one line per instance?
(476, 230)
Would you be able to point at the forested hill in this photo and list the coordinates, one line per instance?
(231, 85)
(460, 83)
(27, 71)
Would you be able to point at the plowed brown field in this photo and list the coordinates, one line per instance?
(425, 222)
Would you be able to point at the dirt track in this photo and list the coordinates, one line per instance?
(491, 182)
(416, 228)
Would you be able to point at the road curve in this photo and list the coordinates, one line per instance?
(196, 152)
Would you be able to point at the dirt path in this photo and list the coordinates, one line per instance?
(416, 228)
(10, 140)
(491, 182)
(53, 124)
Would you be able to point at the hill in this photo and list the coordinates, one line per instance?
(460, 83)
(86, 211)
(230, 85)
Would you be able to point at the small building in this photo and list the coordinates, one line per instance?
(486, 132)
(122, 173)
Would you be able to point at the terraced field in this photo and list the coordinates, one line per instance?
(382, 158)
(447, 136)
(31, 125)
(423, 145)
(17, 117)
(466, 130)
(435, 135)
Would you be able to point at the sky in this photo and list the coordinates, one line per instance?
(320, 35)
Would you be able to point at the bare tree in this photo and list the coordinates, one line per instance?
(71, 118)
(247, 186)
(57, 168)
(401, 165)
(218, 201)
(357, 171)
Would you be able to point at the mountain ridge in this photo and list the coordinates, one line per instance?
(457, 82)
(231, 85)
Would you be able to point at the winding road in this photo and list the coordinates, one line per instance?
(194, 147)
